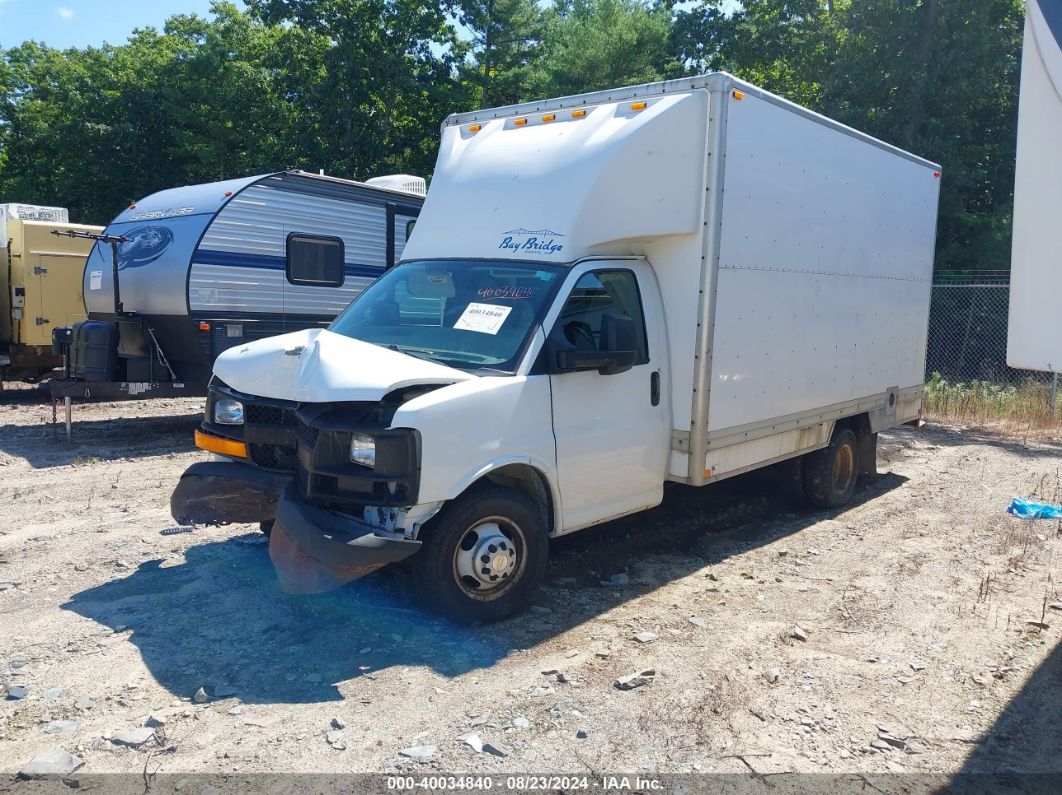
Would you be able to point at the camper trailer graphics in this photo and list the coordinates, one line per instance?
(143, 245)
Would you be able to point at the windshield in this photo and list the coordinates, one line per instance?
(465, 314)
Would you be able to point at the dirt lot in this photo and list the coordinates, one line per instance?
(929, 639)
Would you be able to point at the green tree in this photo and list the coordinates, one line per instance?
(940, 78)
(88, 129)
(936, 77)
(506, 38)
(385, 80)
(787, 46)
(229, 118)
(598, 44)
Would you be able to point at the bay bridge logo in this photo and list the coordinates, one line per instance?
(530, 241)
(143, 245)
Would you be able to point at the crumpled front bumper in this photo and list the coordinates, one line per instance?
(314, 549)
(226, 492)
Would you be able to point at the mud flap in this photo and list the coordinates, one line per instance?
(868, 453)
(298, 573)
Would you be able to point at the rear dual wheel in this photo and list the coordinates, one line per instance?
(483, 555)
(830, 474)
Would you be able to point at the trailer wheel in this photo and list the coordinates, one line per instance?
(830, 474)
(483, 555)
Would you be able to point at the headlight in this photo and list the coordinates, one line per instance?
(228, 412)
(363, 450)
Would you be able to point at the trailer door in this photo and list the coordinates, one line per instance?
(53, 271)
(612, 432)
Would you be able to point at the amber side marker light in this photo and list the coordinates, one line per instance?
(215, 444)
(549, 117)
(474, 128)
(578, 114)
(738, 95)
(637, 106)
(520, 122)
(204, 327)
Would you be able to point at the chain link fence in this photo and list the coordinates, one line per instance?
(966, 358)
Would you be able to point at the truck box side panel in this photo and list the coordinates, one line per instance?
(825, 267)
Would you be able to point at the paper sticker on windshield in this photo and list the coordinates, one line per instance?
(484, 318)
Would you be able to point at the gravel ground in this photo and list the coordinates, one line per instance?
(916, 630)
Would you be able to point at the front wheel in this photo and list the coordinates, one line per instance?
(483, 555)
(830, 474)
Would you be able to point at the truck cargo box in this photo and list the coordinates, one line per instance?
(794, 254)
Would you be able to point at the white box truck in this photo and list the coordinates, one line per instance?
(678, 281)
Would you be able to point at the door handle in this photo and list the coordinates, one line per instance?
(654, 388)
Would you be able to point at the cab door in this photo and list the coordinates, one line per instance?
(613, 432)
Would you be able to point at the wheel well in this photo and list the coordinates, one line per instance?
(530, 482)
(860, 424)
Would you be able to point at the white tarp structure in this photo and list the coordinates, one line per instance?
(29, 212)
(1035, 336)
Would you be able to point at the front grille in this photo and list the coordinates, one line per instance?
(307, 434)
(258, 414)
(274, 456)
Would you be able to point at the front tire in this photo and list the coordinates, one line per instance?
(830, 474)
(483, 555)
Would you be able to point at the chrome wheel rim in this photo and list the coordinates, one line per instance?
(489, 557)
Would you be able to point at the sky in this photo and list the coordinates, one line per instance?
(81, 23)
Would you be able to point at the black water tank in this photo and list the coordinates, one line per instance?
(94, 351)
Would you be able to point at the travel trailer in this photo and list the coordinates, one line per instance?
(189, 272)
(679, 281)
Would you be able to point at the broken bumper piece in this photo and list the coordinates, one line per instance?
(315, 550)
(226, 492)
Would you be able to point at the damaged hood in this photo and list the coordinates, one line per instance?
(318, 366)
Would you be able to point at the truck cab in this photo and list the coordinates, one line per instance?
(528, 389)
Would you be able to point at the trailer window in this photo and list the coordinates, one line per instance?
(315, 260)
(595, 294)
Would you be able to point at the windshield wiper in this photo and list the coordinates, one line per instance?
(416, 353)
(490, 371)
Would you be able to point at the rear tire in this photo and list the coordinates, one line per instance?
(830, 475)
(483, 555)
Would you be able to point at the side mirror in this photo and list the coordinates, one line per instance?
(618, 340)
